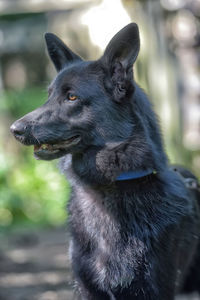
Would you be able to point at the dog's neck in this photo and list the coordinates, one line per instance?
(106, 167)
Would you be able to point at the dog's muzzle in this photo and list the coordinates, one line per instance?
(19, 130)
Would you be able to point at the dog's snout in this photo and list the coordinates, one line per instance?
(18, 128)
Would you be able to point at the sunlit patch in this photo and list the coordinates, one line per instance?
(19, 256)
(55, 295)
(30, 279)
(103, 21)
(6, 217)
(173, 4)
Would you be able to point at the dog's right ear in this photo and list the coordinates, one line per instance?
(119, 57)
(59, 53)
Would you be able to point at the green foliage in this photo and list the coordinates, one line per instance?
(18, 103)
(31, 192)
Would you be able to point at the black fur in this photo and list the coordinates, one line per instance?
(132, 239)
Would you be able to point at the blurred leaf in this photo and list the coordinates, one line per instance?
(30, 190)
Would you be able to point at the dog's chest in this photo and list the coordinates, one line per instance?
(114, 253)
(95, 215)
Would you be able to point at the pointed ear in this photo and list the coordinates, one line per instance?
(119, 57)
(59, 53)
(124, 47)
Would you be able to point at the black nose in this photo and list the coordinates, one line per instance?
(18, 128)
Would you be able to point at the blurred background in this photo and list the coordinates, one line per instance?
(33, 195)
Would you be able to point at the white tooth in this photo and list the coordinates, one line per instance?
(44, 146)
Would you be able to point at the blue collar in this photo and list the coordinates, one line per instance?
(134, 174)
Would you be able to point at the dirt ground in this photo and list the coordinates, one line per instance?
(35, 266)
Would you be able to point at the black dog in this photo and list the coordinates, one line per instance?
(134, 224)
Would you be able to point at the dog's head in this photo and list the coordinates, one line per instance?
(88, 103)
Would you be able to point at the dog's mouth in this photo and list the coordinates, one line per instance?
(52, 151)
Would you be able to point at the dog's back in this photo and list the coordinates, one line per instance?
(192, 280)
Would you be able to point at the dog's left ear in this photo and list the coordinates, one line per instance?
(119, 57)
(59, 53)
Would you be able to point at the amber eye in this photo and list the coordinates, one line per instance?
(71, 97)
